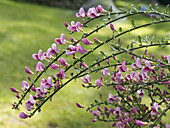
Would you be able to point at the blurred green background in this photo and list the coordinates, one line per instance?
(26, 27)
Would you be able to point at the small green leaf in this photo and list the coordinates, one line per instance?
(102, 53)
(139, 39)
(139, 7)
(120, 29)
(96, 42)
(133, 23)
(96, 101)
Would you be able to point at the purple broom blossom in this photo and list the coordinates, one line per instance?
(39, 67)
(60, 40)
(81, 13)
(100, 9)
(24, 85)
(105, 72)
(63, 62)
(92, 13)
(86, 41)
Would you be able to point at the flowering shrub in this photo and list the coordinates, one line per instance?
(132, 79)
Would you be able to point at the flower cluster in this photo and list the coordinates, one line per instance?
(131, 80)
(130, 87)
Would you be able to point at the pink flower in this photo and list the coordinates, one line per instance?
(105, 72)
(38, 56)
(63, 62)
(132, 75)
(111, 98)
(48, 54)
(133, 110)
(117, 111)
(29, 105)
(120, 88)
(79, 105)
(80, 49)
(22, 115)
(47, 83)
(148, 67)
(71, 50)
(140, 123)
(98, 82)
(118, 76)
(147, 63)
(166, 82)
(68, 53)
(75, 27)
(86, 41)
(24, 85)
(60, 40)
(84, 65)
(54, 66)
(39, 67)
(119, 124)
(154, 109)
(141, 93)
(33, 88)
(92, 13)
(86, 79)
(27, 70)
(100, 9)
(31, 99)
(137, 64)
(81, 13)
(123, 68)
(168, 58)
(167, 126)
(41, 91)
(127, 77)
(54, 50)
(61, 74)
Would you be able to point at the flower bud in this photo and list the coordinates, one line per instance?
(94, 120)
(112, 26)
(66, 24)
(79, 105)
(14, 90)
(22, 115)
(27, 70)
(140, 123)
(17, 95)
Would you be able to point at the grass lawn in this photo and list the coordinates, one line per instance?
(26, 28)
